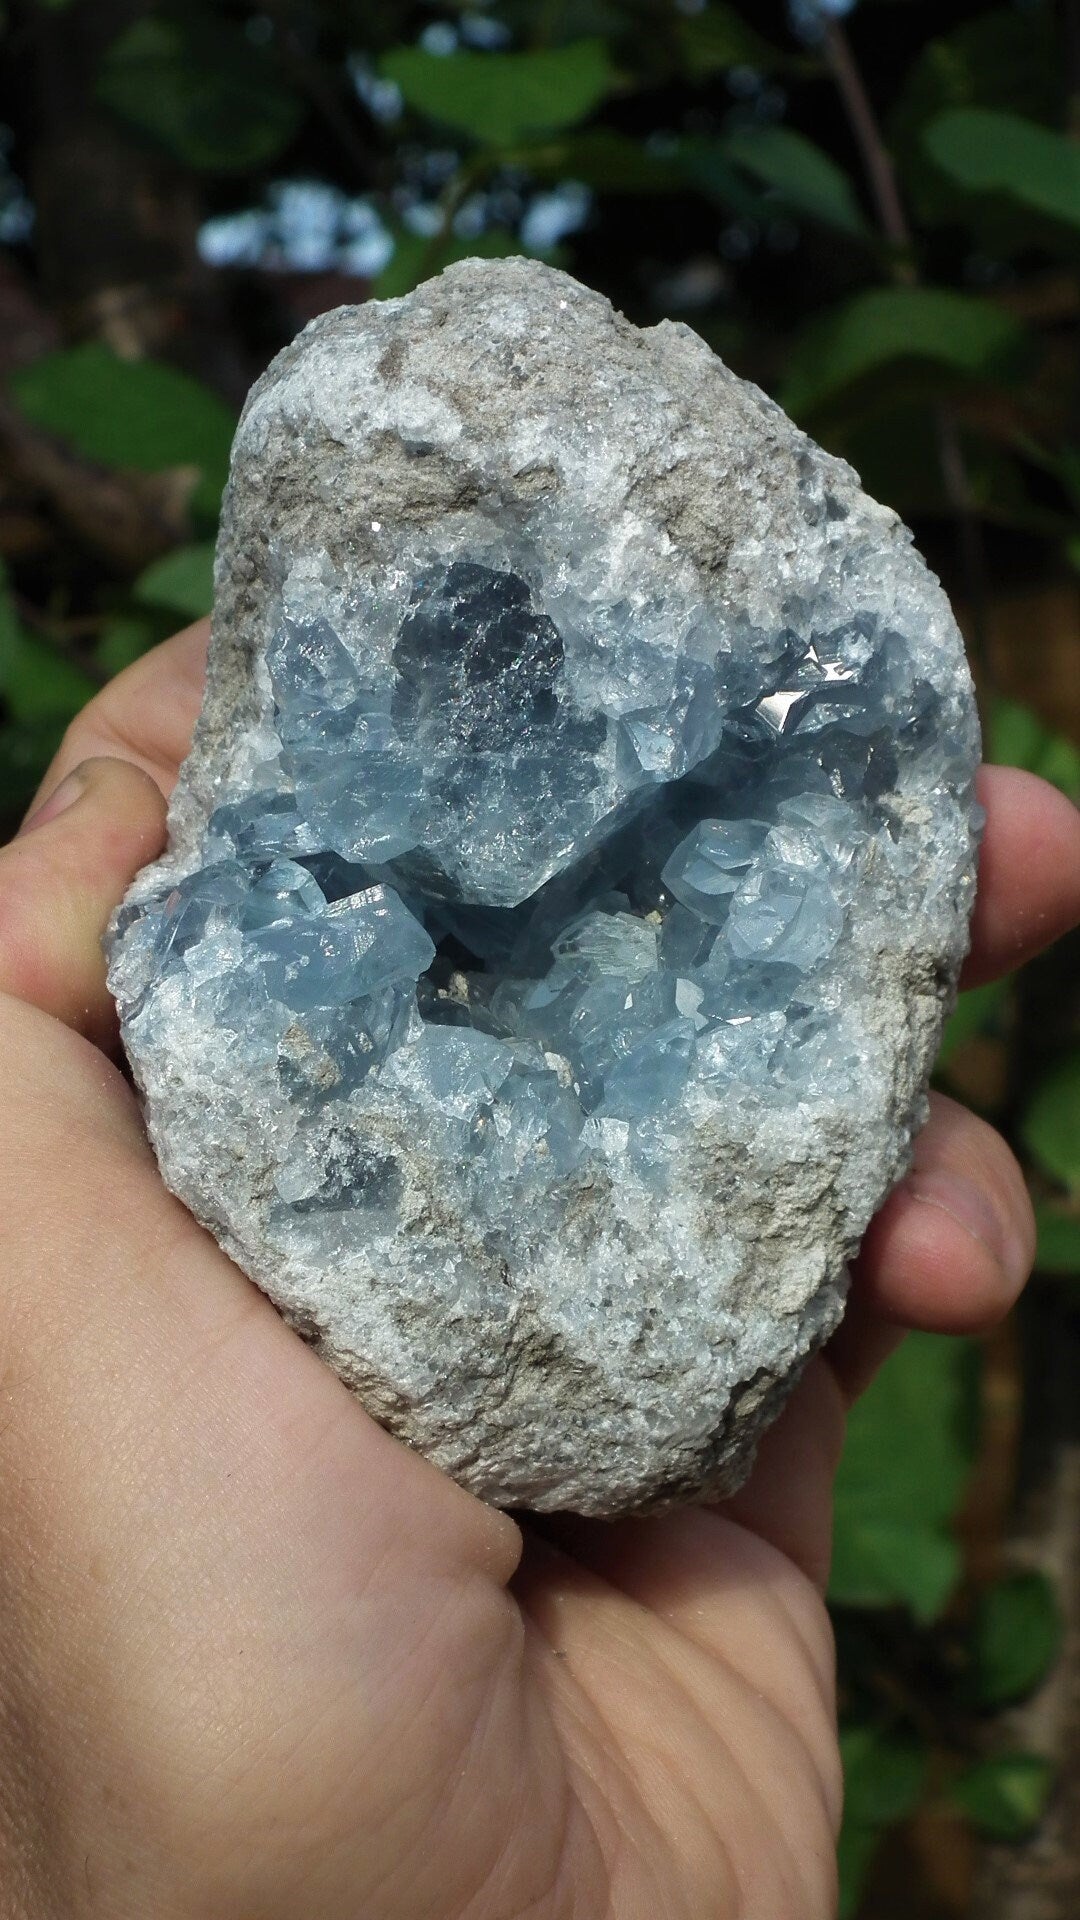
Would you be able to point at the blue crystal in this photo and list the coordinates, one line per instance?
(526, 864)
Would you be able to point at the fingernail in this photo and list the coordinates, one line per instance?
(968, 1204)
(59, 800)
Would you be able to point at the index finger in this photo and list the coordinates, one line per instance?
(1029, 869)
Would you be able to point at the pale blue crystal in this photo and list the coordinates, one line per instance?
(529, 866)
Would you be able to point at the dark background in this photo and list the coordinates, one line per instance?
(872, 210)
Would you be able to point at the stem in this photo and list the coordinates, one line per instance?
(893, 221)
(876, 159)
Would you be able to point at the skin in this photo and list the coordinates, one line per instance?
(257, 1660)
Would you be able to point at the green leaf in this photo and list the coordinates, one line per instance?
(1016, 737)
(1015, 1638)
(805, 178)
(39, 687)
(1007, 60)
(1003, 58)
(1058, 1249)
(183, 581)
(894, 1563)
(988, 152)
(130, 413)
(976, 1013)
(884, 1773)
(125, 637)
(602, 158)
(884, 1779)
(707, 165)
(501, 98)
(959, 332)
(1005, 1797)
(25, 752)
(201, 89)
(855, 1850)
(718, 38)
(1050, 1126)
(910, 1444)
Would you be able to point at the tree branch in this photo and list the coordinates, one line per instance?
(876, 159)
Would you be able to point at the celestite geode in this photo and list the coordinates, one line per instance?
(565, 887)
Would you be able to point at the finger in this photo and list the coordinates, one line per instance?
(59, 881)
(949, 1251)
(145, 716)
(1029, 872)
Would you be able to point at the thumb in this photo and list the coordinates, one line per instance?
(60, 879)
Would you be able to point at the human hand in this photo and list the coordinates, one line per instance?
(259, 1661)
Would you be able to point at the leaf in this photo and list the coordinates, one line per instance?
(718, 38)
(976, 1012)
(988, 152)
(1050, 1126)
(130, 413)
(1058, 1249)
(708, 166)
(39, 686)
(806, 179)
(884, 1779)
(126, 637)
(855, 1850)
(1016, 737)
(889, 1563)
(1004, 59)
(1007, 60)
(25, 751)
(884, 1773)
(958, 331)
(1015, 1638)
(910, 1444)
(1005, 1797)
(605, 160)
(202, 89)
(501, 98)
(183, 581)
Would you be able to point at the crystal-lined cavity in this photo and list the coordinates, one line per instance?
(556, 883)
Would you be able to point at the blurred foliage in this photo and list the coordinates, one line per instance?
(872, 210)
(131, 413)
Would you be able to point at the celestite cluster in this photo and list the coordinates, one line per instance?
(567, 884)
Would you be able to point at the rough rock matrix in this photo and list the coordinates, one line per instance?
(566, 885)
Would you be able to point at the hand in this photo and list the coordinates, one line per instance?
(257, 1660)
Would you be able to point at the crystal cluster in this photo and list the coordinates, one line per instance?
(543, 861)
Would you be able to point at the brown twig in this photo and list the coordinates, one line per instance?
(875, 155)
(896, 230)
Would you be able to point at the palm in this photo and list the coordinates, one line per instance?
(379, 1696)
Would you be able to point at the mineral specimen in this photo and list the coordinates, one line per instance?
(565, 887)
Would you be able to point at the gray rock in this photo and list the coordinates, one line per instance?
(550, 644)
